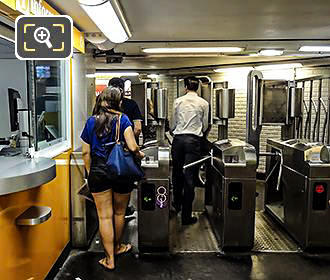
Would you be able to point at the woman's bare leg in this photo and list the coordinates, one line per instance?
(120, 204)
(104, 206)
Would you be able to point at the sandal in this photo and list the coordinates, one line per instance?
(103, 262)
(123, 249)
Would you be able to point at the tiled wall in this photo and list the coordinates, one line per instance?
(237, 126)
(169, 83)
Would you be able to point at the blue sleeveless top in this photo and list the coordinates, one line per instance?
(89, 136)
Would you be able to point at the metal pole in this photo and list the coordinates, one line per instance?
(319, 112)
(302, 115)
(307, 119)
(223, 129)
(253, 128)
(315, 121)
(325, 120)
(310, 111)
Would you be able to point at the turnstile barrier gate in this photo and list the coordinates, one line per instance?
(232, 214)
(154, 201)
(302, 203)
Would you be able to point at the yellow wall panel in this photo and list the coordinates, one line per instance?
(78, 40)
(31, 251)
(10, 3)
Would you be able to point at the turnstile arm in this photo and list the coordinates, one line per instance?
(196, 162)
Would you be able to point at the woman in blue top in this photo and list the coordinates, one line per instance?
(111, 197)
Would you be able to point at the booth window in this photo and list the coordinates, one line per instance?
(51, 102)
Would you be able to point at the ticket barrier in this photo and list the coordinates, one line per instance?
(232, 214)
(301, 202)
(153, 202)
(154, 189)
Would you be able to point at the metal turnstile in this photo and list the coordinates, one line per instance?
(301, 201)
(154, 191)
(232, 213)
(154, 201)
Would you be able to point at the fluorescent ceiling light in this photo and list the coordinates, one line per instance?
(278, 66)
(117, 74)
(315, 49)
(220, 70)
(107, 20)
(91, 2)
(153, 76)
(194, 50)
(271, 52)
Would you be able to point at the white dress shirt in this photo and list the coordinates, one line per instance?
(190, 115)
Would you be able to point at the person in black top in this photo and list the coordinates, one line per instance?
(131, 109)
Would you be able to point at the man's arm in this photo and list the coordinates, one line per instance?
(174, 118)
(137, 119)
(137, 127)
(206, 123)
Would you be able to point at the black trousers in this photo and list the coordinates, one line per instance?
(186, 149)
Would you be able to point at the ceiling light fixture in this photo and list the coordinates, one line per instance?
(271, 52)
(221, 70)
(194, 50)
(254, 54)
(108, 16)
(117, 74)
(278, 66)
(153, 76)
(315, 49)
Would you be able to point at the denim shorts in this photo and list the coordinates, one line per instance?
(100, 181)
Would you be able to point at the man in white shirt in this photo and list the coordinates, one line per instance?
(190, 123)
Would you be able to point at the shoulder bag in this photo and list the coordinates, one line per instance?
(121, 163)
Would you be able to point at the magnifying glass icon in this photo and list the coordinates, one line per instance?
(42, 35)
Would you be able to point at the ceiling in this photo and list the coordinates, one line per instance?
(253, 24)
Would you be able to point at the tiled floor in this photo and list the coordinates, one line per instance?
(195, 256)
(269, 237)
(84, 266)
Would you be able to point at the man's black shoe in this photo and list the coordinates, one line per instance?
(129, 211)
(190, 221)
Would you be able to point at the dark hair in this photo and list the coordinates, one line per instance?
(106, 102)
(117, 82)
(191, 83)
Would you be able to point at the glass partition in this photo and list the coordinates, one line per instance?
(49, 82)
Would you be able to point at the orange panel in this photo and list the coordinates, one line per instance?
(31, 251)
